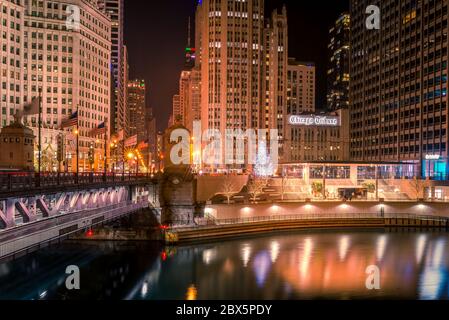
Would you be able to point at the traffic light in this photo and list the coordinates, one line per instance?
(61, 148)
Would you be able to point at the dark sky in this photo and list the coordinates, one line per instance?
(156, 35)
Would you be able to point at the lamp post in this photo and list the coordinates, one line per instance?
(113, 155)
(131, 157)
(98, 146)
(77, 155)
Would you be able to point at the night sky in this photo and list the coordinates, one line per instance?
(156, 36)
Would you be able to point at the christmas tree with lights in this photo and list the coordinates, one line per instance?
(264, 164)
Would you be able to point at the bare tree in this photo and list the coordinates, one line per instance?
(255, 187)
(418, 186)
(284, 185)
(288, 186)
(229, 189)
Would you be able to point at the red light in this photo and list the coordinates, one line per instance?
(164, 256)
(164, 227)
(90, 233)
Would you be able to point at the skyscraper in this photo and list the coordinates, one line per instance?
(178, 113)
(275, 69)
(151, 138)
(193, 109)
(398, 89)
(115, 9)
(338, 71)
(184, 96)
(125, 117)
(310, 136)
(230, 54)
(136, 105)
(190, 83)
(187, 104)
(70, 64)
(190, 52)
(301, 79)
(12, 60)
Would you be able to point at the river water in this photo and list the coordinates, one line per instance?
(302, 265)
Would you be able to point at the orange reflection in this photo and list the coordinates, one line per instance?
(192, 293)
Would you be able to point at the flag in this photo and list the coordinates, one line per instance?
(31, 108)
(131, 142)
(143, 145)
(72, 121)
(101, 129)
(119, 136)
(72, 144)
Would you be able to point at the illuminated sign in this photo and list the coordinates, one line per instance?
(433, 157)
(314, 120)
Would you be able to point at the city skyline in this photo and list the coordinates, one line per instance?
(328, 122)
(160, 62)
(240, 76)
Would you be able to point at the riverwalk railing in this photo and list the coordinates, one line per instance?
(208, 222)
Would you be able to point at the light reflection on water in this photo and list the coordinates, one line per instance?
(318, 265)
(321, 265)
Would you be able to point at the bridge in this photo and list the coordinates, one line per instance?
(37, 209)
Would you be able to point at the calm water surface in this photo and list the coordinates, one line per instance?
(318, 265)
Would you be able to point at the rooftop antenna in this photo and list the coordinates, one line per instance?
(189, 42)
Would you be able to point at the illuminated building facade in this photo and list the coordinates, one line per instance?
(115, 10)
(398, 89)
(72, 67)
(189, 98)
(178, 113)
(317, 137)
(230, 53)
(338, 72)
(12, 60)
(310, 136)
(275, 70)
(136, 106)
(301, 77)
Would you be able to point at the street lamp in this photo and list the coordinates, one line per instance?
(114, 146)
(77, 134)
(131, 157)
(136, 158)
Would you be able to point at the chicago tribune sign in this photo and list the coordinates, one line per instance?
(320, 121)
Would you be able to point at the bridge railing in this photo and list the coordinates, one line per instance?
(25, 181)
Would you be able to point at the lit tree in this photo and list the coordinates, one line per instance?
(255, 187)
(290, 184)
(317, 188)
(48, 159)
(419, 186)
(229, 189)
(264, 164)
